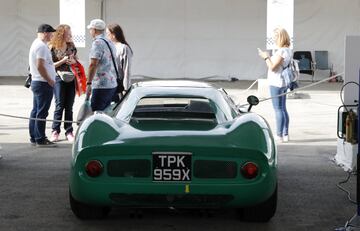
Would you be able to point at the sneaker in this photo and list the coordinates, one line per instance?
(32, 142)
(45, 143)
(278, 138)
(285, 138)
(54, 136)
(70, 137)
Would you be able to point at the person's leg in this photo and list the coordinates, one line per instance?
(274, 92)
(59, 93)
(284, 113)
(45, 96)
(35, 87)
(68, 104)
(101, 98)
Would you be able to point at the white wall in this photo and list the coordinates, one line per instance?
(19, 20)
(323, 25)
(193, 39)
(186, 38)
(352, 69)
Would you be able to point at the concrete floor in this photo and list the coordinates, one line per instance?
(34, 191)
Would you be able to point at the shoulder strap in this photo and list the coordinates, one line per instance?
(112, 56)
(290, 59)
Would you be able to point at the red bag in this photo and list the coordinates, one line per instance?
(80, 83)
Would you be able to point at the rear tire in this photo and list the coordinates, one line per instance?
(87, 212)
(262, 212)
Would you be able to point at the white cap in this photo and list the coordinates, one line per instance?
(97, 24)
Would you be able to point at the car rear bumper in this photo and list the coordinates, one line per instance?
(173, 194)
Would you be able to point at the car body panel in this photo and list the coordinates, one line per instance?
(115, 139)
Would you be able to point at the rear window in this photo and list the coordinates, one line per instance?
(174, 108)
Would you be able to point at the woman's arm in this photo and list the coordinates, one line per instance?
(272, 62)
(126, 68)
(62, 61)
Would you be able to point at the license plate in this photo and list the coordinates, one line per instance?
(171, 166)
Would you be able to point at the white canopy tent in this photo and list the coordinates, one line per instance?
(186, 38)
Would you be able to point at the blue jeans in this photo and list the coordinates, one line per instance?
(42, 96)
(101, 98)
(64, 100)
(281, 114)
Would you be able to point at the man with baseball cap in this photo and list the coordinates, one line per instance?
(101, 82)
(43, 74)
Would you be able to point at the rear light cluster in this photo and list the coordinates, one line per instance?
(249, 170)
(94, 168)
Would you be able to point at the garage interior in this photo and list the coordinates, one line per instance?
(207, 40)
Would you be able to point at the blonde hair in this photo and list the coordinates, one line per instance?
(282, 38)
(59, 39)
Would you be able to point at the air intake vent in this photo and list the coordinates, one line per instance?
(129, 168)
(215, 169)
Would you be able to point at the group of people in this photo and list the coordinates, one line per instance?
(110, 58)
(52, 53)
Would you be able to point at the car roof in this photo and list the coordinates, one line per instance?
(173, 83)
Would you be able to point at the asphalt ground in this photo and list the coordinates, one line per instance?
(34, 181)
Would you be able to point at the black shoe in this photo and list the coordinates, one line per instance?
(45, 143)
(32, 142)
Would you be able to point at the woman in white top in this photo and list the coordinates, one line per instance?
(275, 65)
(124, 52)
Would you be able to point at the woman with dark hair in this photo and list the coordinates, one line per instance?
(63, 54)
(124, 52)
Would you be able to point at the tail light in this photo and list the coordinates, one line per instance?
(249, 170)
(94, 168)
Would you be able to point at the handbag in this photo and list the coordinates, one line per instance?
(66, 76)
(84, 111)
(28, 81)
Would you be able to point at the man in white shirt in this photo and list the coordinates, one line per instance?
(43, 74)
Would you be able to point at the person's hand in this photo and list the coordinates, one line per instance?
(65, 59)
(72, 59)
(263, 54)
(51, 83)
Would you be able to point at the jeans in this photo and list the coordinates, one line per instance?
(101, 98)
(42, 96)
(64, 100)
(281, 114)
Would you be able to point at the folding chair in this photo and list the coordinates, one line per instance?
(322, 62)
(306, 64)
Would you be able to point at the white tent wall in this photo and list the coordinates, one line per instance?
(186, 38)
(323, 25)
(18, 22)
(218, 38)
(193, 39)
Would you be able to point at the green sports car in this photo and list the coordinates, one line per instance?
(178, 144)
